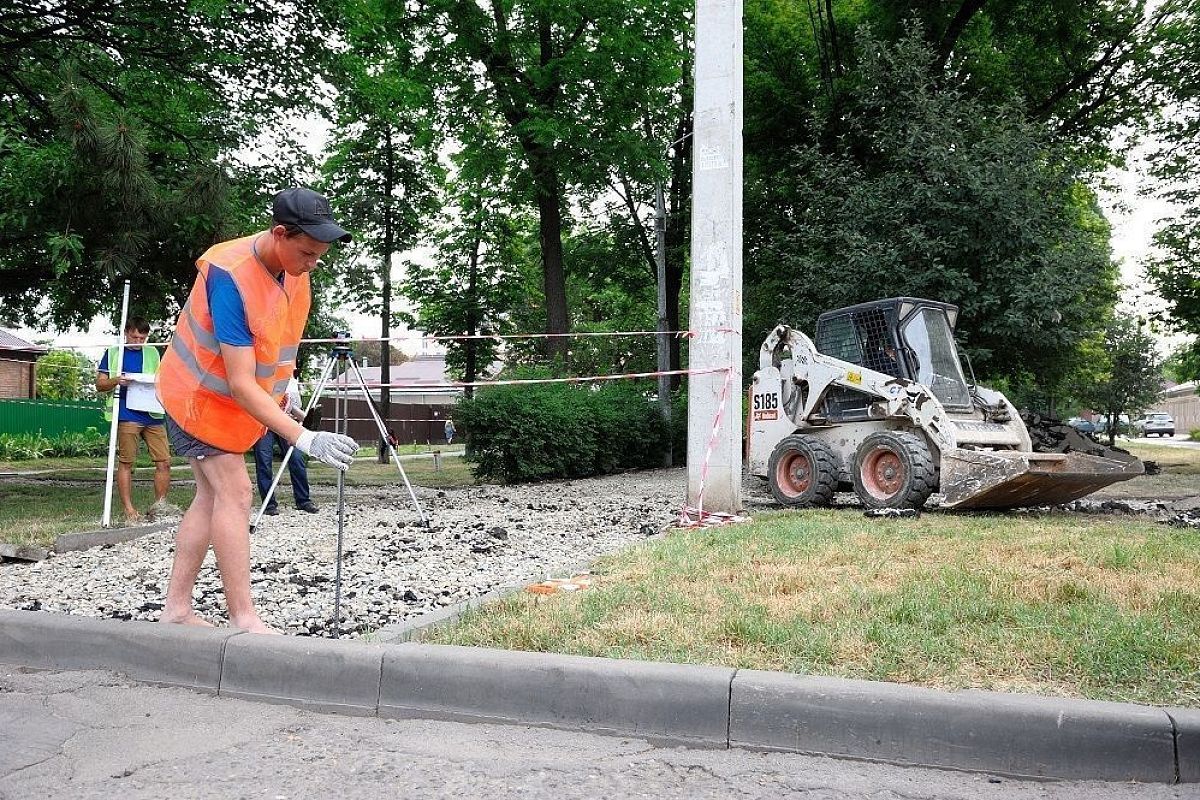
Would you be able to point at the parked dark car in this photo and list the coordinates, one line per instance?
(1122, 425)
(1082, 425)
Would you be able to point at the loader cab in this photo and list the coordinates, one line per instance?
(905, 337)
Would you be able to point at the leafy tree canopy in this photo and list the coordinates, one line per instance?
(1133, 379)
(66, 375)
(568, 89)
(932, 193)
(118, 122)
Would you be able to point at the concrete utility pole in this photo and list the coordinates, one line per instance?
(716, 288)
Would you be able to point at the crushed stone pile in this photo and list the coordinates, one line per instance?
(482, 538)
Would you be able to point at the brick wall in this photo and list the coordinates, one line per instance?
(15, 378)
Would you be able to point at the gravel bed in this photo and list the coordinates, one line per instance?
(393, 569)
(480, 539)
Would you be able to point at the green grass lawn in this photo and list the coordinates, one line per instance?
(85, 465)
(36, 513)
(1098, 607)
(1180, 476)
(76, 465)
(1176, 460)
(414, 449)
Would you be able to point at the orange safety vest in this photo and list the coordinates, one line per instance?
(193, 386)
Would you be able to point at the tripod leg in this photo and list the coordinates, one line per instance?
(383, 434)
(312, 401)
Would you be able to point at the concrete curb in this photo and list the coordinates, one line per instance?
(69, 542)
(1010, 734)
(1187, 743)
(23, 552)
(175, 655)
(1007, 734)
(85, 540)
(664, 702)
(320, 674)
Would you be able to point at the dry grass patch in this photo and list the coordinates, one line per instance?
(1173, 459)
(1107, 608)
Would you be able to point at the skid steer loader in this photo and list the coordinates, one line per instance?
(880, 403)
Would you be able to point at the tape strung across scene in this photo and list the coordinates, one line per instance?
(684, 334)
(529, 381)
(688, 517)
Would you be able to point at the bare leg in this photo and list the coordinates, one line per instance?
(191, 545)
(229, 528)
(125, 489)
(162, 479)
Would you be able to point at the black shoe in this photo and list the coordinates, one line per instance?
(309, 507)
(271, 510)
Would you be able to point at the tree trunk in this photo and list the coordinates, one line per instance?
(471, 370)
(554, 284)
(678, 234)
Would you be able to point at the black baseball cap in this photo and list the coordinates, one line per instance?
(310, 212)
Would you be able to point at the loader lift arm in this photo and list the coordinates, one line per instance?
(806, 376)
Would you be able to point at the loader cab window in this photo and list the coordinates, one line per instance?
(930, 341)
(837, 338)
(863, 337)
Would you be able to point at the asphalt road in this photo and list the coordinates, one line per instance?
(97, 735)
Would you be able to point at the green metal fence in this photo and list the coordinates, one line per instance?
(51, 417)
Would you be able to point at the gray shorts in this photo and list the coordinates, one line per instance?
(188, 446)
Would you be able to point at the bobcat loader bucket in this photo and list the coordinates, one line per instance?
(1010, 479)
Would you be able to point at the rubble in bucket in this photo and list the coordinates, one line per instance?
(1050, 435)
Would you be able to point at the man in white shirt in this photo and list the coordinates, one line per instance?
(264, 456)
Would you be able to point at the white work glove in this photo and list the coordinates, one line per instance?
(330, 448)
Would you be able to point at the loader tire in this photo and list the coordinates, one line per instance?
(803, 471)
(894, 469)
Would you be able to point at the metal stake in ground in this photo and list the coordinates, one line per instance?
(341, 353)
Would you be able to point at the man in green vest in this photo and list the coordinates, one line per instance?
(133, 423)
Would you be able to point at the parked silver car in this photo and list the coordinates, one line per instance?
(1158, 424)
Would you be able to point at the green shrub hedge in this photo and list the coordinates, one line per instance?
(29, 446)
(527, 433)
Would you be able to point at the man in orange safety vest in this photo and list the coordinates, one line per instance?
(221, 382)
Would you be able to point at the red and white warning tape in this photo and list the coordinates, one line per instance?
(685, 334)
(339, 384)
(696, 517)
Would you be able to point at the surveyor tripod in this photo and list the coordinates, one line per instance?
(342, 355)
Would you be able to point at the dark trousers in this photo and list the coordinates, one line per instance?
(264, 453)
